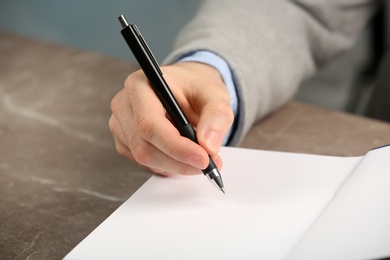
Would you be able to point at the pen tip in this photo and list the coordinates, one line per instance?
(223, 190)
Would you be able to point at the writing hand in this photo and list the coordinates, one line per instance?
(142, 130)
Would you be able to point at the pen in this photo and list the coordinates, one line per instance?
(152, 70)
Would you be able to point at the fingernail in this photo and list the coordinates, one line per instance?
(213, 140)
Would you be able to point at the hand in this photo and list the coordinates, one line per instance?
(142, 130)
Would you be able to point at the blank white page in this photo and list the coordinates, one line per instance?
(271, 199)
(356, 224)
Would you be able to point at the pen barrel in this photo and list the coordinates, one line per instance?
(169, 102)
(152, 71)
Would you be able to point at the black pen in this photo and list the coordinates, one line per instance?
(152, 70)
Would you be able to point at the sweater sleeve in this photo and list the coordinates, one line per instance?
(272, 46)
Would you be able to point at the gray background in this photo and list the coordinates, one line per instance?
(92, 25)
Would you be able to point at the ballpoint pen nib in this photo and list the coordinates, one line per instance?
(223, 190)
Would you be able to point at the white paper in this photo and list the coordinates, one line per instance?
(356, 224)
(272, 199)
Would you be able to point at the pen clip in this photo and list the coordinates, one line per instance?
(146, 47)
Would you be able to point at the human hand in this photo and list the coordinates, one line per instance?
(142, 130)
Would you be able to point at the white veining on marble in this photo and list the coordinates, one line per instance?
(30, 178)
(32, 255)
(91, 193)
(57, 188)
(30, 244)
(42, 180)
(100, 195)
(33, 115)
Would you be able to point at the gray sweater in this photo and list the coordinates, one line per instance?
(272, 46)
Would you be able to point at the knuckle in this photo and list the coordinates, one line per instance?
(121, 151)
(141, 155)
(133, 79)
(112, 125)
(145, 128)
(115, 103)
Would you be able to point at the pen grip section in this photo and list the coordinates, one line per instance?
(189, 132)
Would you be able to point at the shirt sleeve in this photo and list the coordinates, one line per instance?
(221, 65)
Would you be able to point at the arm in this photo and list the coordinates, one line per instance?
(271, 47)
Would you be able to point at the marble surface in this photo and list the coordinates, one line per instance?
(60, 175)
(304, 128)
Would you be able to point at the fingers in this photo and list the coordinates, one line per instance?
(148, 155)
(144, 135)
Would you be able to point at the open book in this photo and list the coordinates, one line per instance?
(277, 206)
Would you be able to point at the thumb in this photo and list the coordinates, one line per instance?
(216, 118)
(214, 114)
